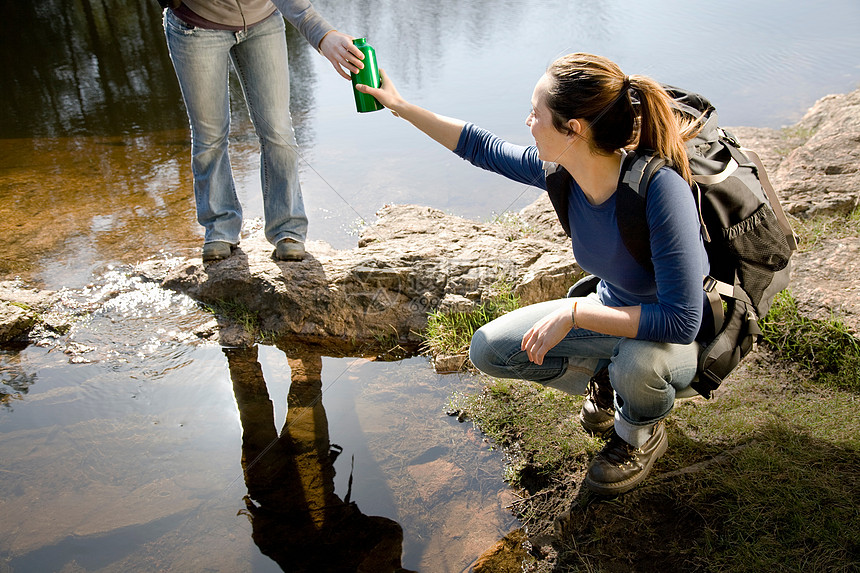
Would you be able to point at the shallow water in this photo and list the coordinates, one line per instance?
(134, 448)
(122, 442)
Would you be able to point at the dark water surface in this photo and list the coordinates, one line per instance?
(127, 445)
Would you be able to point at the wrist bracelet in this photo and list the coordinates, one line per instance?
(573, 313)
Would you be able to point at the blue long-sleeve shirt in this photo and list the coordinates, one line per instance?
(672, 301)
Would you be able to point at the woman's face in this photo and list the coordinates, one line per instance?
(550, 142)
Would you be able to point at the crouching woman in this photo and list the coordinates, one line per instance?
(630, 345)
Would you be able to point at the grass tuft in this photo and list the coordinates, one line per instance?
(813, 230)
(451, 333)
(513, 225)
(241, 315)
(827, 348)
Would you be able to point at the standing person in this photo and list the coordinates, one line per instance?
(203, 38)
(632, 344)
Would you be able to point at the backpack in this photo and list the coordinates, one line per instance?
(747, 236)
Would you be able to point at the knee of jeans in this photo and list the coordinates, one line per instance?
(635, 376)
(209, 143)
(481, 353)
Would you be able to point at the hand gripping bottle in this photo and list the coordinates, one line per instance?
(369, 76)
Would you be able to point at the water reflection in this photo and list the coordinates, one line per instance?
(102, 68)
(15, 380)
(85, 67)
(298, 520)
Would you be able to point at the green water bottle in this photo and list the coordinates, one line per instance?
(369, 76)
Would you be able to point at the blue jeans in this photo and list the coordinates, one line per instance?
(201, 59)
(645, 375)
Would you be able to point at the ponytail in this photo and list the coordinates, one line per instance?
(660, 130)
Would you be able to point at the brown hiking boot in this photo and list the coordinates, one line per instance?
(597, 415)
(619, 467)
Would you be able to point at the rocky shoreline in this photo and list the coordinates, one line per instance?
(415, 259)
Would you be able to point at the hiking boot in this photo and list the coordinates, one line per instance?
(289, 250)
(597, 415)
(217, 250)
(619, 467)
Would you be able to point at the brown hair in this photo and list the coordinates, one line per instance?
(595, 89)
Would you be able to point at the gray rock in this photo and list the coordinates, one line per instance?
(823, 174)
(20, 309)
(15, 321)
(415, 259)
(411, 261)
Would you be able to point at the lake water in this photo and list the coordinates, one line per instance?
(122, 443)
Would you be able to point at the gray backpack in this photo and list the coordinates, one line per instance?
(747, 236)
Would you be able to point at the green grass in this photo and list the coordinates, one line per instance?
(537, 426)
(811, 231)
(789, 501)
(827, 348)
(451, 333)
(764, 477)
(241, 315)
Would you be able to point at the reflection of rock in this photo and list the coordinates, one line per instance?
(505, 556)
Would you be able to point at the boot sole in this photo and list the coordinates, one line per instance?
(617, 488)
(598, 429)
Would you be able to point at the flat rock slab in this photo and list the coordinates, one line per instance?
(411, 261)
(824, 281)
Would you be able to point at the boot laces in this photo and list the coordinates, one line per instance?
(619, 452)
(600, 391)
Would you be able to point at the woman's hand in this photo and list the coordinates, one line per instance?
(345, 56)
(546, 333)
(386, 94)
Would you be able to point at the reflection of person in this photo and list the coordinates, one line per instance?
(641, 324)
(297, 518)
(203, 37)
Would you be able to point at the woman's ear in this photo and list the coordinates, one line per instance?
(575, 127)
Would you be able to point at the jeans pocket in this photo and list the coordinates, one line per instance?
(175, 24)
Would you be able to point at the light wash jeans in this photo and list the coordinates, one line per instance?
(645, 375)
(201, 59)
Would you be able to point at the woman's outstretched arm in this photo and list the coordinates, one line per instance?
(445, 130)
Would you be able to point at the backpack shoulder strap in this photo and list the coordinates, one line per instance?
(558, 187)
(636, 173)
